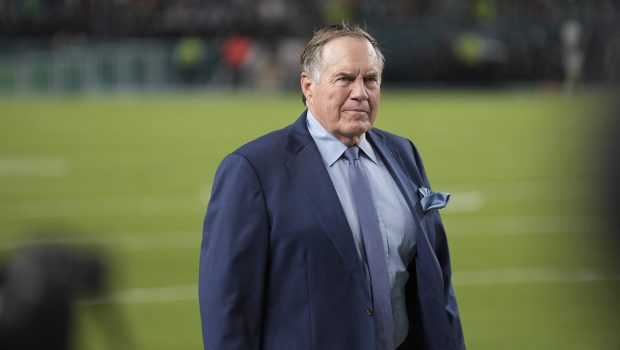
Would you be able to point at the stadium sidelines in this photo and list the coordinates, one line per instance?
(460, 278)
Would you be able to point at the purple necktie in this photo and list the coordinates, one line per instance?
(375, 256)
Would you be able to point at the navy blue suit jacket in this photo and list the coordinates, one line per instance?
(278, 266)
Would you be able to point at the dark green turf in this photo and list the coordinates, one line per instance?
(134, 173)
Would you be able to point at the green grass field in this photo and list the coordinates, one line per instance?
(133, 175)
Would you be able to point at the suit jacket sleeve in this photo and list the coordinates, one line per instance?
(443, 256)
(233, 258)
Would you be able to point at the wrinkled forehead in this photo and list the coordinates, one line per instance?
(356, 53)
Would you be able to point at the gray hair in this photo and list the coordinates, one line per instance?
(311, 62)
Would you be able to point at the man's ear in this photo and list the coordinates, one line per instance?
(307, 85)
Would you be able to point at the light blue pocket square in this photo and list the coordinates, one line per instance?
(432, 200)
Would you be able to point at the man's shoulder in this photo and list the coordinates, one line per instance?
(392, 139)
(265, 145)
(404, 147)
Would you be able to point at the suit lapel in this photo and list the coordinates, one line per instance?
(395, 165)
(430, 282)
(408, 188)
(308, 168)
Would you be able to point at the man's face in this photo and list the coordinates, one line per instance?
(346, 96)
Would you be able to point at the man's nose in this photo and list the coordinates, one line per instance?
(358, 90)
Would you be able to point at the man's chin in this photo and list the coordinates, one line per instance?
(360, 126)
(358, 130)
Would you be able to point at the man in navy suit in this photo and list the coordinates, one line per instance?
(286, 262)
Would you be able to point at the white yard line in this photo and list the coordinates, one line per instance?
(456, 227)
(101, 207)
(31, 166)
(461, 201)
(148, 295)
(520, 224)
(126, 241)
(529, 275)
(149, 205)
(465, 202)
(460, 278)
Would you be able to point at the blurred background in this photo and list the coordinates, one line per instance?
(114, 115)
(146, 45)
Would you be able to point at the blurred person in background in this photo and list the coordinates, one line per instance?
(608, 194)
(40, 286)
(189, 55)
(325, 234)
(572, 54)
(236, 51)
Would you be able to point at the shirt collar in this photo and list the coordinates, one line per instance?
(331, 148)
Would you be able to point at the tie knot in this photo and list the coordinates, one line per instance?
(352, 153)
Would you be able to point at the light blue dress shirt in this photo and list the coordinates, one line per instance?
(395, 219)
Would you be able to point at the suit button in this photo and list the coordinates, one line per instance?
(369, 312)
